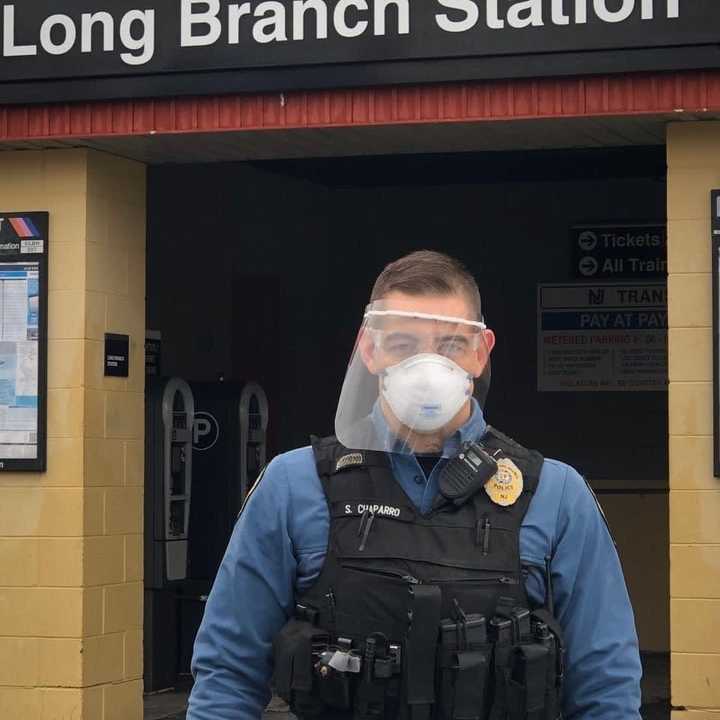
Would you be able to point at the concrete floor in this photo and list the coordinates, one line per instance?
(656, 696)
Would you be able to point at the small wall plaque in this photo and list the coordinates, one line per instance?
(117, 352)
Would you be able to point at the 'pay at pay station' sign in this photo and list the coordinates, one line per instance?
(602, 337)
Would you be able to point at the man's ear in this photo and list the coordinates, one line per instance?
(483, 351)
(489, 340)
(366, 348)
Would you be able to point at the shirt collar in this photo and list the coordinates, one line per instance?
(473, 429)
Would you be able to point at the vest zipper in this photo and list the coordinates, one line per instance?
(503, 579)
(398, 575)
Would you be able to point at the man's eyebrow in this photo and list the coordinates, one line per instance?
(454, 338)
(395, 334)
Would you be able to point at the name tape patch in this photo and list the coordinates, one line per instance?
(360, 508)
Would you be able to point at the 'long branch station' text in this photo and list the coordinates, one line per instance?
(208, 22)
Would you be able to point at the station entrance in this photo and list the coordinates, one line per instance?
(258, 273)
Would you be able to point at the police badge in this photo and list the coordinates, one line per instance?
(506, 486)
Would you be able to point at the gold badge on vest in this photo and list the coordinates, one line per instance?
(506, 486)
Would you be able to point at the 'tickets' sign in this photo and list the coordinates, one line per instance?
(614, 252)
(280, 44)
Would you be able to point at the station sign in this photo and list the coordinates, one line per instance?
(618, 252)
(608, 337)
(197, 47)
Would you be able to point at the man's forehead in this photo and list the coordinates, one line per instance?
(454, 305)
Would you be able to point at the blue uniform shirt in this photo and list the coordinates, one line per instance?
(277, 551)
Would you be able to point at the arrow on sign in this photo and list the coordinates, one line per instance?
(588, 266)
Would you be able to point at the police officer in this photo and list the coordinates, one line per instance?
(420, 564)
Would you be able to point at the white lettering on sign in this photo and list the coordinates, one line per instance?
(209, 22)
(59, 34)
(533, 13)
(628, 240)
(10, 48)
(202, 22)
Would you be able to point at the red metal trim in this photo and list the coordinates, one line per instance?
(632, 94)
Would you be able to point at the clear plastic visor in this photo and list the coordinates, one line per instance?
(414, 379)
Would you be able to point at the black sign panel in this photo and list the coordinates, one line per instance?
(23, 340)
(715, 245)
(615, 252)
(206, 46)
(117, 351)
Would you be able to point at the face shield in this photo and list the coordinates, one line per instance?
(412, 380)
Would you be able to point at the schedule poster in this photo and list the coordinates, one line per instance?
(23, 340)
(606, 337)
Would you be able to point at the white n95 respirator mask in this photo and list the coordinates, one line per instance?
(426, 391)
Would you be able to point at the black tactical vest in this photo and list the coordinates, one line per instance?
(419, 617)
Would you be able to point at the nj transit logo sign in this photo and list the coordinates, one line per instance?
(289, 43)
(23, 233)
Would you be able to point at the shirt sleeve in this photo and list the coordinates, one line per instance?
(602, 660)
(250, 601)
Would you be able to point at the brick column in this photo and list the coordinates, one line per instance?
(71, 539)
(693, 170)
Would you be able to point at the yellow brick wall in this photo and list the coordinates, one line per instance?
(71, 539)
(693, 170)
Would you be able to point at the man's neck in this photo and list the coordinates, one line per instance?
(426, 443)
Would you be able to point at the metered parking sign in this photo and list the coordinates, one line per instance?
(602, 337)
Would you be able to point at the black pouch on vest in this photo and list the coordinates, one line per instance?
(464, 667)
(419, 651)
(294, 676)
(527, 683)
(371, 691)
(548, 633)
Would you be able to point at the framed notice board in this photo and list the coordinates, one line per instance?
(715, 250)
(23, 340)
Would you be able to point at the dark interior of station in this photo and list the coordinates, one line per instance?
(260, 272)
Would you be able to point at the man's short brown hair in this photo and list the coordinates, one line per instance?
(427, 272)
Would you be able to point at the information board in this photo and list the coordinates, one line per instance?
(23, 340)
(606, 337)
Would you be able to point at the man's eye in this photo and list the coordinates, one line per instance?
(451, 347)
(401, 348)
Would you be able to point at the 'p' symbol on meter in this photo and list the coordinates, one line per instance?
(206, 431)
(587, 240)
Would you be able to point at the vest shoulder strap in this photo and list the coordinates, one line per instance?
(529, 461)
(332, 457)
